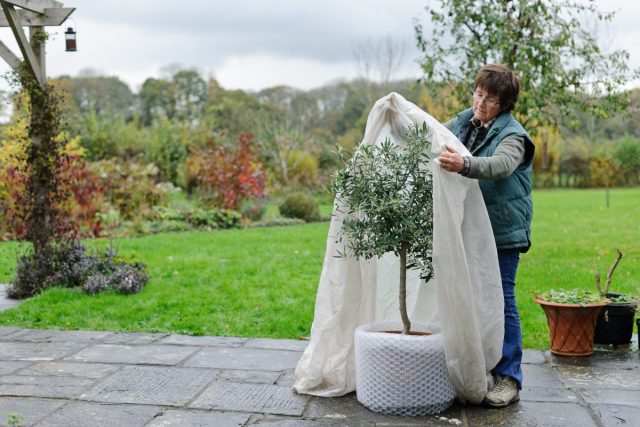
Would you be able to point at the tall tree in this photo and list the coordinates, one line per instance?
(191, 95)
(103, 95)
(562, 68)
(157, 100)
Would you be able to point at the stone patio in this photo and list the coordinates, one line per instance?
(97, 378)
(91, 378)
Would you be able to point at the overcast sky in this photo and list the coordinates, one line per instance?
(252, 44)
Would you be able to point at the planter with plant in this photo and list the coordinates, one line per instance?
(386, 194)
(571, 316)
(615, 322)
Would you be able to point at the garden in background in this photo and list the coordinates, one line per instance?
(218, 197)
(261, 282)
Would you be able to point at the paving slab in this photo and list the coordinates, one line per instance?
(82, 414)
(9, 335)
(6, 302)
(240, 376)
(606, 376)
(533, 357)
(346, 409)
(179, 418)
(245, 358)
(531, 414)
(294, 345)
(9, 367)
(70, 369)
(617, 415)
(611, 396)
(37, 351)
(131, 338)
(151, 385)
(271, 422)
(548, 394)
(203, 341)
(287, 378)
(612, 358)
(43, 386)
(8, 330)
(150, 354)
(31, 410)
(61, 336)
(241, 397)
(540, 376)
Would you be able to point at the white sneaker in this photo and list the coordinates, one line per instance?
(503, 393)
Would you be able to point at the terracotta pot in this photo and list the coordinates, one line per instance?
(571, 326)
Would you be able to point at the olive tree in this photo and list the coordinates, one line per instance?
(386, 194)
(563, 68)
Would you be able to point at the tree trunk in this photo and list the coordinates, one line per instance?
(406, 324)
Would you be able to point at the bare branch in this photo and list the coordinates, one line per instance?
(615, 264)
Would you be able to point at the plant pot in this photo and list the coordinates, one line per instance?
(571, 326)
(615, 322)
(400, 374)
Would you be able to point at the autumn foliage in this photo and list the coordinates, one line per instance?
(227, 175)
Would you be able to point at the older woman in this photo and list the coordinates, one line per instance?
(502, 154)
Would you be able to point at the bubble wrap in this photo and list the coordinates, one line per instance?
(401, 374)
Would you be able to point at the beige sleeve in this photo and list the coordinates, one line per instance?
(508, 156)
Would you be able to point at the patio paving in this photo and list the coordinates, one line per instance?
(97, 378)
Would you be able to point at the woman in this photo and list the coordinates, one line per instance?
(502, 154)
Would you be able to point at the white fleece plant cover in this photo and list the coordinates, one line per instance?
(463, 300)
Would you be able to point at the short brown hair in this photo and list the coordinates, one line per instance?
(498, 80)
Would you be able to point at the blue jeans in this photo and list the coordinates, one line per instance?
(511, 360)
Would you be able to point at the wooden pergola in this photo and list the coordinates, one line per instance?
(35, 14)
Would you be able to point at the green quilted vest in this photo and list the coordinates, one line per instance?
(508, 200)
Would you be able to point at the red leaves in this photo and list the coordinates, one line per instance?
(228, 175)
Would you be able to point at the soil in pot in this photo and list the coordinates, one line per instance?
(615, 322)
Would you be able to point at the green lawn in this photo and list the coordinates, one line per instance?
(262, 282)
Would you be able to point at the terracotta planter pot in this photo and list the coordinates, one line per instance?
(571, 326)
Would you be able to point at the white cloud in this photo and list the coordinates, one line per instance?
(250, 44)
(255, 72)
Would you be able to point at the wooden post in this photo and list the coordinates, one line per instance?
(35, 14)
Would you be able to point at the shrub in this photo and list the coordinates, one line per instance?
(300, 205)
(277, 222)
(128, 278)
(96, 283)
(73, 267)
(130, 187)
(224, 175)
(302, 169)
(77, 199)
(253, 210)
(170, 219)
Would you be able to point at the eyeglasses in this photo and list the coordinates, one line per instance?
(489, 102)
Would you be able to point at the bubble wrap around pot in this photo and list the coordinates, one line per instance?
(401, 374)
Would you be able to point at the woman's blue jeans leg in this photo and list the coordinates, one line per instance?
(511, 360)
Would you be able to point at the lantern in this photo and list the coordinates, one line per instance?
(70, 40)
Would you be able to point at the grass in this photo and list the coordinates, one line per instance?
(262, 282)
(254, 282)
(574, 235)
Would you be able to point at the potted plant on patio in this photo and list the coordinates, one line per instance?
(571, 316)
(615, 322)
(386, 194)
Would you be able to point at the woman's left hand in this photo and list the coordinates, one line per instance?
(451, 160)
